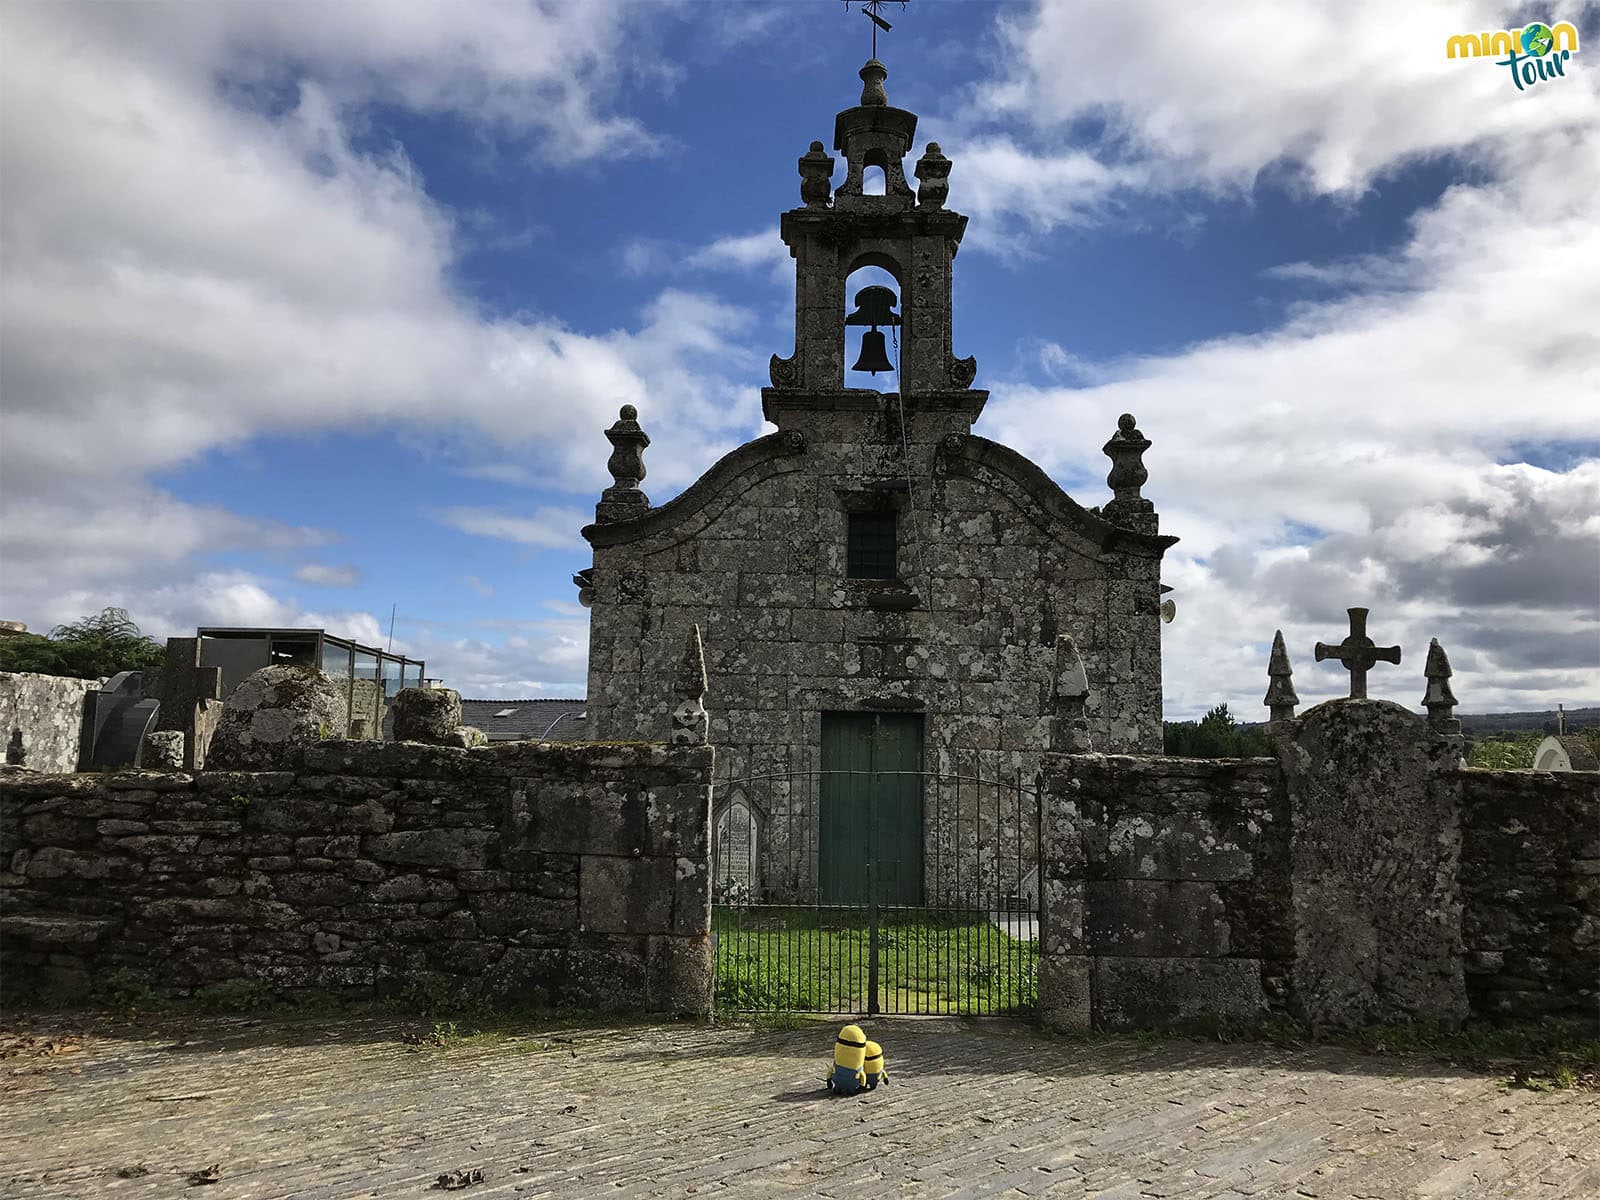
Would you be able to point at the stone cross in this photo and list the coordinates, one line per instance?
(690, 724)
(1280, 698)
(1358, 653)
(1439, 700)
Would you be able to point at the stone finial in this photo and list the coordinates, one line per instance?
(623, 499)
(1440, 701)
(1069, 696)
(872, 77)
(1126, 451)
(1280, 698)
(933, 176)
(690, 725)
(1358, 653)
(816, 172)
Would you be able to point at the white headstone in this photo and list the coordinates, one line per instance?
(734, 847)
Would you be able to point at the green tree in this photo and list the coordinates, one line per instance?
(1215, 735)
(92, 648)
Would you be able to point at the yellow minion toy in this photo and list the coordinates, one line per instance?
(849, 1056)
(873, 1066)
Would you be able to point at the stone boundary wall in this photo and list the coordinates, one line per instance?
(1530, 876)
(1361, 876)
(41, 719)
(1375, 864)
(544, 873)
(1165, 896)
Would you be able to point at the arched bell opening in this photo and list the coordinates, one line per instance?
(872, 327)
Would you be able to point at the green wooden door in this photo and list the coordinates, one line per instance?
(871, 819)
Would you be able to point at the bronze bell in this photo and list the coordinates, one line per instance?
(874, 354)
(874, 307)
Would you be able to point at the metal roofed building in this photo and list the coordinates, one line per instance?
(371, 676)
(528, 720)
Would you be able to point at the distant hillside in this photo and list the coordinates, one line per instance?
(1527, 722)
(1481, 725)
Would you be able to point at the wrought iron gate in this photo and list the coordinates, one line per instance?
(791, 937)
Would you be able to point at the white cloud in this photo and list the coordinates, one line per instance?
(66, 557)
(762, 251)
(486, 590)
(544, 655)
(548, 68)
(186, 270)
(311, 289)
(1338, 94)
(546, 528)
(189, 267)
(1014, 194)
(1214, 98)
(322, 575)
(1364, 452)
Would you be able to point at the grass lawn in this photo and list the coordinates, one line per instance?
(774, 958)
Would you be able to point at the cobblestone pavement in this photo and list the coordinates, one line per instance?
(336, 1108)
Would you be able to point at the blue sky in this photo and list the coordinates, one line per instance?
(311, 311)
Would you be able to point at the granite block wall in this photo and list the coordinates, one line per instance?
(547, 874)
(1374, 877)
(1165, 891)
(1362, 876)
(41, 717)
(1530, 878)
(994, 561)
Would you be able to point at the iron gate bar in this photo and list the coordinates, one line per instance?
(780, 945)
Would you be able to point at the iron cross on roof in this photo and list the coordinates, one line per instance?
(1358, 653)
(871, 9)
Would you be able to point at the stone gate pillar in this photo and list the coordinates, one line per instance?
(1375, 898)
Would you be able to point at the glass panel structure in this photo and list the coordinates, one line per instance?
(336, 659)
(365, 697)
(391, 677)
(370, 678)
(293, 650)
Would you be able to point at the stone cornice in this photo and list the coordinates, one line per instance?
(703, 491)
(776, 402)
(848, 224)
(971, 455)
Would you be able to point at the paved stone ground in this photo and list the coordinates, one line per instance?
(344, 1108)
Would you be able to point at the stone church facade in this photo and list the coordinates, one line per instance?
(872, 555)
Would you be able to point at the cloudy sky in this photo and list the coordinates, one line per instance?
(314, 309)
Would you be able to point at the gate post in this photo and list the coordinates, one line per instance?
(1064, 970)
(1375, 888)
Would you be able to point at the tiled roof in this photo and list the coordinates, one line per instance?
(526, 720)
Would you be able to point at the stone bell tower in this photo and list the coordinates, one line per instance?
(874, 557)
(911, 235)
